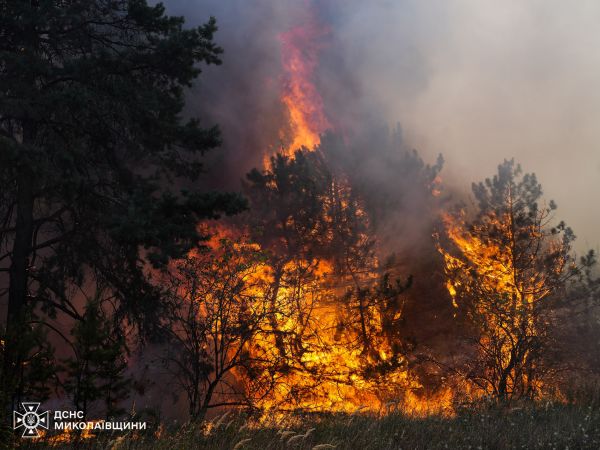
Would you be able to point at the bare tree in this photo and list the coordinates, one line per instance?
(217, 311)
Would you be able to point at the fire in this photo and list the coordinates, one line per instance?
(328, 373)
(331, 373)
(313, 353)
(307, 120)
(492, 264)
(500, 277)
(69, 435)
(317, 350)
(326, 365)
(316, 357)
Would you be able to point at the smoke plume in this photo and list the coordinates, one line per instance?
(475, 81)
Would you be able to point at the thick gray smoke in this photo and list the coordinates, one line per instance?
(478, 81)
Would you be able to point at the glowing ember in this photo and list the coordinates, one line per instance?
(69, 435)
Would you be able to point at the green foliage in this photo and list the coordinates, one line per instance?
(97, 370)
(91, 120)
(100, 84)
(98, 164)
(37, 378)
(288, 204)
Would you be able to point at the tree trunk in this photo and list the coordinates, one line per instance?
(279, 342)
(18, 279)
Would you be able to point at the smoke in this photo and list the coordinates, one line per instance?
(475, 81)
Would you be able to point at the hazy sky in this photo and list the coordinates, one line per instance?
(501, 79)
(477, 81)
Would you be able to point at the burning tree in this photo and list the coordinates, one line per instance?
(334, 311)
(217, 312)
(507, 269)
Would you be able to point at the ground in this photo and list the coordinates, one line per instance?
(544, 426)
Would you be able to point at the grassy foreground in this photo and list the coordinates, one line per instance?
(550, 427)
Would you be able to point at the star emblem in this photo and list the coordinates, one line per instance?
(31, 420)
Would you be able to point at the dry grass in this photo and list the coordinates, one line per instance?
(550, 426)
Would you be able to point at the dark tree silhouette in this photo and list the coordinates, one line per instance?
(218, 311)
(91, 135)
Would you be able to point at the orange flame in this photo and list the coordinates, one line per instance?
(306, 117)
(505, 296)
(69, 435)
(325, 370)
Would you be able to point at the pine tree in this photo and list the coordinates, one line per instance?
(507, 270)
(97, 165)
(97, 371)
